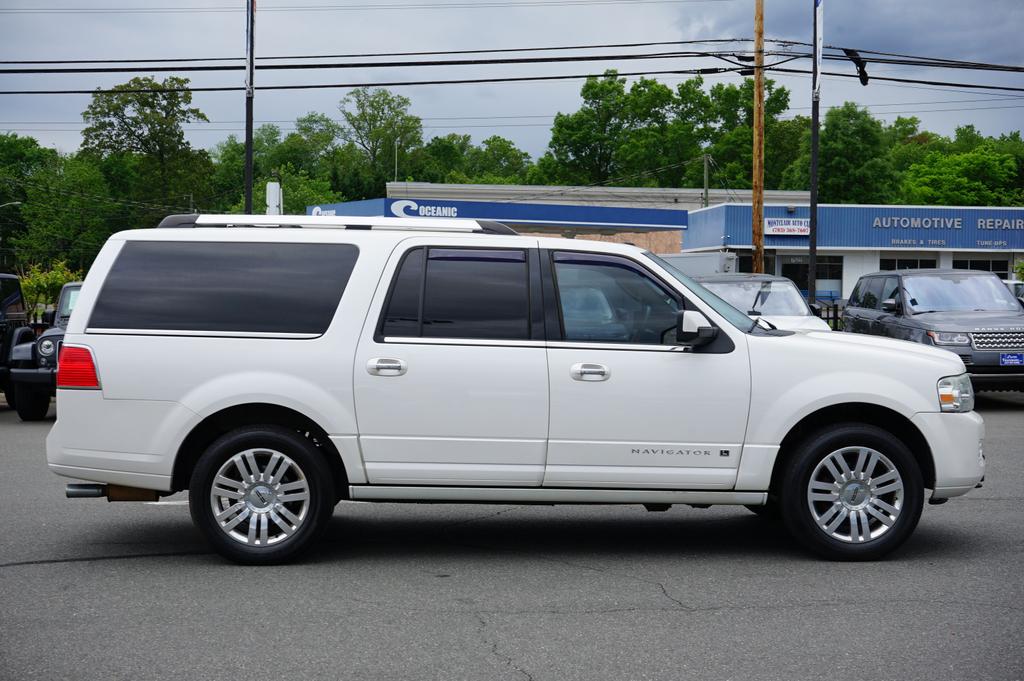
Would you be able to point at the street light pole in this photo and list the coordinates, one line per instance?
(250, 41)
(812, 238)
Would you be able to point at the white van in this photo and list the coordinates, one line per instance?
(274, 365)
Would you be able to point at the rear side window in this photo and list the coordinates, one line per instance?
(224, 287)
(854, 300)
(460, 293)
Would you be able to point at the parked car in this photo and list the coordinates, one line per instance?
(13, 329)
(1016, 288)
(34, 362)
(966, 312)
(272, 372)
(774, 299)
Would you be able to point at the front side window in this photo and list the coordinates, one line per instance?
(460, 293)
(607, 298)
(871, 294)
(890, 289)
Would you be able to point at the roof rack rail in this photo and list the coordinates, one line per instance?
(190, 220)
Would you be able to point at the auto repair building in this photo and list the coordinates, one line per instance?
(854, 240)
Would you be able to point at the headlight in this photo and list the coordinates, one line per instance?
(956, 393)
(949, 338)
(47, 347)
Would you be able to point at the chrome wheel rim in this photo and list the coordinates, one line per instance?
(855, 494)
(259, 497)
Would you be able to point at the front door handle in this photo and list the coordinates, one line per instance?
(589, 372)
(385, 366)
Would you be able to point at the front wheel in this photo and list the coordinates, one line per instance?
(261, 494)
(852, 492)
(30, 403)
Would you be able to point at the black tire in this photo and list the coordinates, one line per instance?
(268, 439)
(875, 542)
(30, 403)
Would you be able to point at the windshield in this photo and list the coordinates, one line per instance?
(761, 297)
(731, 314)
(956, 292)
(67, 302)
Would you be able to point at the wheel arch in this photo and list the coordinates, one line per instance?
(231, 418)
(857, 412)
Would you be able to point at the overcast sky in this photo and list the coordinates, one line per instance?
(987, 31)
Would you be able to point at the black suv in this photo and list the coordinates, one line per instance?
(970, 313)
(13, 329)
(34, 363)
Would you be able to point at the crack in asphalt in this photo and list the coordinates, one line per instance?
(506, 659)
(91, 559)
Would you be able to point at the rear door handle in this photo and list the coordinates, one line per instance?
(386, 366)
(589, 372)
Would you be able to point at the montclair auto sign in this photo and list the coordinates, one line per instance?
(787, 226)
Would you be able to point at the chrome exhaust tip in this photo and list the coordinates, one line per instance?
(78, 490)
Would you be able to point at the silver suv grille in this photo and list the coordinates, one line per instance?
(998, 340)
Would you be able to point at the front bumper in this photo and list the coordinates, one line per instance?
(39, 376)
(986, 372)
(956, 443)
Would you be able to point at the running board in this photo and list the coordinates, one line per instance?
(547, 495)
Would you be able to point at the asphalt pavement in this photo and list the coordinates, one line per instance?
(98, 590)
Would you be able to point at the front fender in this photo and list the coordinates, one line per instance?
(24, 352)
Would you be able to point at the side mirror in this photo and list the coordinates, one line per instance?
(815, 309)
(890, 305)
(693, 329)
(48, 317)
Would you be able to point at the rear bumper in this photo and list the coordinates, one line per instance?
(42, 376)
(956, 445)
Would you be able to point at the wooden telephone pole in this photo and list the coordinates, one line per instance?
(757, 183)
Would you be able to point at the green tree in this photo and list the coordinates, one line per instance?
(41, 286)
(133, 119)
(300, 190)
(378, 123)
(67, 212)
(854, 162)
(980, 177)
(20, 158)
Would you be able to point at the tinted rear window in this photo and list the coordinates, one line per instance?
(463, 293)
(224, 287)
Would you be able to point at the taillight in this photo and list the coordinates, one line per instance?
(76, 369)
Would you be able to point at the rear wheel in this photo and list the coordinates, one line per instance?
(30, 403)
(261, 494)
(852, 492)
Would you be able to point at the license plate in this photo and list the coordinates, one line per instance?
(1011, 359)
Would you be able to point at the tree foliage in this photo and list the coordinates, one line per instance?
(41, 285)
(136, 164)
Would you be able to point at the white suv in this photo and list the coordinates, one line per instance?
(275, 365)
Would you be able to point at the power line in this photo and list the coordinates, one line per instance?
(321, 86)
(369, 65)
(362, 55)
(475, 4)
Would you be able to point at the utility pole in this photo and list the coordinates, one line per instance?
(706, 180)
(757, 183)
(812, 238)
(250, 41)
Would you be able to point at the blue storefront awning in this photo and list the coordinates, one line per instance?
(552, 217)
